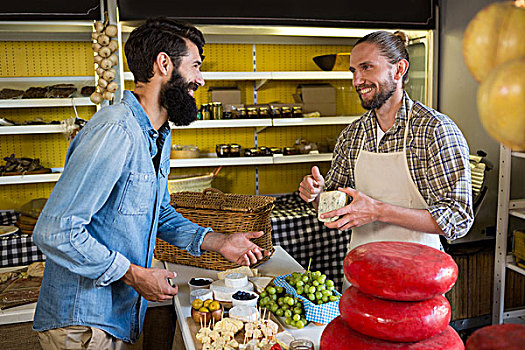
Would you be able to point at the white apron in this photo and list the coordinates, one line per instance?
(386, 178)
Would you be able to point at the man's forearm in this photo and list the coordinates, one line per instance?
(414, 219)
(213, 241)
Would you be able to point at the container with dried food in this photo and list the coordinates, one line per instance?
(286, 112)
(222, 150)
(264, 112)
(252, 112)
(235, 150)
(183, 152)
(252, 152)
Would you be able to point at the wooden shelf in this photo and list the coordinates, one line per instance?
(512, 265)
(314, 121)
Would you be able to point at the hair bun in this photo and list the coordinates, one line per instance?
(401, 35)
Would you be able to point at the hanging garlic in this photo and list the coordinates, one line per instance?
(103, 39)
(109, 74)
(106, 63)
(113, 45)
(99, 27)
(104, 51)
(96, 98)
(108, 95)
(111, 31)
(112, 87)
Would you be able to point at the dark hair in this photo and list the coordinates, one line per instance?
(155, 36)
(392, 46)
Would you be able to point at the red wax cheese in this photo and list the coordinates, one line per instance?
(399, 321)
(496, 337)
(338, 336)
(400, 270)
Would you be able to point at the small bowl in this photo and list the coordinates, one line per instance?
(201, 317)
(194, 283)
(249, 303)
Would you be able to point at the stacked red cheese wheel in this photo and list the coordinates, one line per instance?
(396, 300)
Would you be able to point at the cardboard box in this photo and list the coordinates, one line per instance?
(316, 98)
(226, 95)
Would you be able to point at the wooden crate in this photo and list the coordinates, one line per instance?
(471, 296)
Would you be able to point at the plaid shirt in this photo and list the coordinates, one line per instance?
(437, 155)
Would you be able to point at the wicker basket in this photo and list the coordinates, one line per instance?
(224, 213)
(191, 183)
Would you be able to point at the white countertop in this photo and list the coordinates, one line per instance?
(280, 263)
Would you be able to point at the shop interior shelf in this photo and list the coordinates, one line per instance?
(298, 75)
(512, 265)
(314, 121)
(212, 160)
(302, 158)
(46, 102)
(31, 129)
(24, 179)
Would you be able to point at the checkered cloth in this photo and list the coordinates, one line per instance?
(323, 313)
(296, 228)
(17, 249)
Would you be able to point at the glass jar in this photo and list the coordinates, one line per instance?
(242, 113)
(205, 110)
(301, 344)
(286, 112)
(264, 112)
(222, 150)
(297, 112)
(252, 113)
(276, 111)
(235, 150)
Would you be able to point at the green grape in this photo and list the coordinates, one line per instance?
(315, 283)
(288, 320)
(325, 292)
(274, 297)
(316, 273)
(285, 306)
(311, 290)
(279, 289)
(263, 294)
(271, 290)
(274, 308)
(299, 324)
(321, 279)
(299, 283)
(288, 313)
(279, 312)
(291, 301)
(297, 310)
(321, 287)
(329, 283)
(305, 279)
(325, 298)
(311, 297)
(300, 290)
(333, 298)
(296, 317)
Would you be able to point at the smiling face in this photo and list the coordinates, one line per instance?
(177, 94)
(373, 75)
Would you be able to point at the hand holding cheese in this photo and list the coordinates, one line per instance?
(311, 186)
(362, 210)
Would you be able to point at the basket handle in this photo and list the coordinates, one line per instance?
(210, 190)
(216, 171)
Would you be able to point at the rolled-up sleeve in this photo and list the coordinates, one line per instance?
(89, 176)
(450, 195)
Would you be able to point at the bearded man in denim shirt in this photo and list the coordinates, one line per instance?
(99, 225)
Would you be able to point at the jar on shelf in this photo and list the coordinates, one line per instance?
(297, 112)
(242, 113)
(252, 112)
(264, 112)
(286, 112)
(205, 111)
(275, 111)
(251, 152)
(235, 150)
(222, 150)
(216, 110)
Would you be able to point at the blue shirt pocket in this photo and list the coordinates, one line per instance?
(137, 197)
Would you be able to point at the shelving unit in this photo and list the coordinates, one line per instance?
(504, 260)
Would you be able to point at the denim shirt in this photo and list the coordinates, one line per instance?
(104, 213)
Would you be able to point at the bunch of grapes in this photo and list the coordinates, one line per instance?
(314, 286)
(284, 305)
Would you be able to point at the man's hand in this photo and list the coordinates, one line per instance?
(236, 247)
(311, 186)
(151, 283)
(361, 211)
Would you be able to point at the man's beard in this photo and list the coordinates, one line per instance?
(181, 106)
(388, 88)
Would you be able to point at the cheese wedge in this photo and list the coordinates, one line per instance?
(328, 201)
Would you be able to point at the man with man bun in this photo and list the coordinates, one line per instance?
(405, 165)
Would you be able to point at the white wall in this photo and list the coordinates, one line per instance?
(457, 98)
